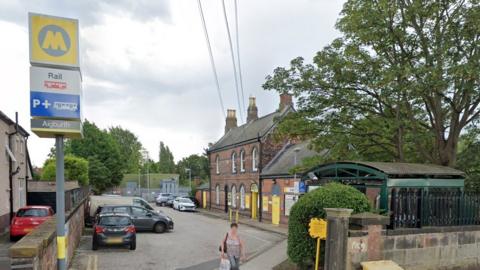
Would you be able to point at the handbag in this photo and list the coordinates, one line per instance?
(224, 264)
(224, 245)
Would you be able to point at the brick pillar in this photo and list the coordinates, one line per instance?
(337, 237)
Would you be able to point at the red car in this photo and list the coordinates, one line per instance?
(28, 218)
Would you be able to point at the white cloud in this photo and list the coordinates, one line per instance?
(145, 63)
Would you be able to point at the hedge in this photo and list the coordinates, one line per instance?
(301, 247)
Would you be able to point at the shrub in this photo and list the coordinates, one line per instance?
(301, 247)
(76, 168)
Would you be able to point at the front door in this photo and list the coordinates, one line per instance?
(254, 204)
(204, 199)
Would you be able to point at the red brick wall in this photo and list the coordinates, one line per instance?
(267, 185)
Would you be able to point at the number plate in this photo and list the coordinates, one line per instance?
(114, 240)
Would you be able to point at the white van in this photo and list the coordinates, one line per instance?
(96, 201)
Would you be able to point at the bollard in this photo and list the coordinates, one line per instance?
(236, 217)
(230, 215)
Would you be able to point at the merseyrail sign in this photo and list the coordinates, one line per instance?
(53, 41)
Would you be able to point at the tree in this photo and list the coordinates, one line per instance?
(100, 147)
(76, 168)
(400, 84)
(166, 163)
(99, 175)
(469, 160)
(129, 147)
(198, 164)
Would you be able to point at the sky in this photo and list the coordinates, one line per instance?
(145, 63)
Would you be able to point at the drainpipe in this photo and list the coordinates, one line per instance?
(28, 164)
(260, 195)
(11, 173)
(209, 181)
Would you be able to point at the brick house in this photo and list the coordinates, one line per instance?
(238, 159)
(15, 169)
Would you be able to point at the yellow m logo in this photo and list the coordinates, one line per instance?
(54, 41)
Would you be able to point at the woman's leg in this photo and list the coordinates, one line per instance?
(234, 263)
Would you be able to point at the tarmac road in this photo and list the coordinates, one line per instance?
(192, 245)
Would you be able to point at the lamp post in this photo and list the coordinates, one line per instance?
(189, 177)
(295, 152)
(146, 158)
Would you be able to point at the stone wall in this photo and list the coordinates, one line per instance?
(38, 250)
(434, 248)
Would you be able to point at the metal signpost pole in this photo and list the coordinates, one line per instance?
(60, 197)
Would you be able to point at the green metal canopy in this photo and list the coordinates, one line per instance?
(387, 175)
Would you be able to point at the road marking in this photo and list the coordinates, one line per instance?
(92, 263)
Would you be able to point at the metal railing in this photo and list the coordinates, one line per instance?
(416, 208)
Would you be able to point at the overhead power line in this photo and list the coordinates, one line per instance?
(240, 108)
(212, 61)
(238, 52)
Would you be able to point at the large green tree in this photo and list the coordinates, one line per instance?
(198, 164)
(76, 168)
(400, 84)
(129, 147)
(469, 158)
(103, 153)
(166, 163)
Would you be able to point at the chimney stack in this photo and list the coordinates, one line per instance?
(252, 110)
(231, 121)
(285, 101)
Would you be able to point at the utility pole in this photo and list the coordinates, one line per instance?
(146, 158)
(189, 170)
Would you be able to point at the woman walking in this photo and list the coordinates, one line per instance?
(233, 248)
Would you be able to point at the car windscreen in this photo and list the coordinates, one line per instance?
(32, 212)
(114, 221)
(185, 200)
(115, 209)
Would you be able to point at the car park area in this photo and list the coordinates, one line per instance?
(192, 244)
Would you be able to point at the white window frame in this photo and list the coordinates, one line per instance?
(242, 197)
(242, 161)
(234, 196)
(254, 159)
(217, 164)
(234, 163)
(217, 194)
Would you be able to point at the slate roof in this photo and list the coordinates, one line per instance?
(398, 168)
(10, 122)
(250, 131)
(283, 162)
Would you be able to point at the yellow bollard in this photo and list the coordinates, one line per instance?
(236, 217)
(230, 215)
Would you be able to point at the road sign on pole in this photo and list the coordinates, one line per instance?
(317, 229)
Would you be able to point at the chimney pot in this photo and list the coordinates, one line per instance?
(252, 110)
(285, 101)
(231, 121)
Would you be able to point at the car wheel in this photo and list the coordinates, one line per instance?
(94, 244)
(159, 227)
(133, 245)
(163, 204)
(13, 238)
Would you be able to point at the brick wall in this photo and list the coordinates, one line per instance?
(436, 248)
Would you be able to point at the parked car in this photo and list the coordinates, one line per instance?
(27, 219)
(194, 200)
(96, 201)
(170, 200)
(183, 204)
(114, 229)
(162, 199)
(143, 219)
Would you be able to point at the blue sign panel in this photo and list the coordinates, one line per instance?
(53, 105)
(302, 188)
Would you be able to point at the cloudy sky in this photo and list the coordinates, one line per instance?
(145, 63)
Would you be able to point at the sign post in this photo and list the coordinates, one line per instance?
(55, 98)
(317, 229)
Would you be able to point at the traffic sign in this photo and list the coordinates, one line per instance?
(54, 105)
(318, 228)
(49, 128)
(58, 81)
(53, 41)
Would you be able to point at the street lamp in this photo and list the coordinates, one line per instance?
(146, 158)
(295, 152)
(189, 177)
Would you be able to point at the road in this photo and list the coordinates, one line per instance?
(193, 245)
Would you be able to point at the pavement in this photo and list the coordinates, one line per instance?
(192, 245)
(4, 246)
